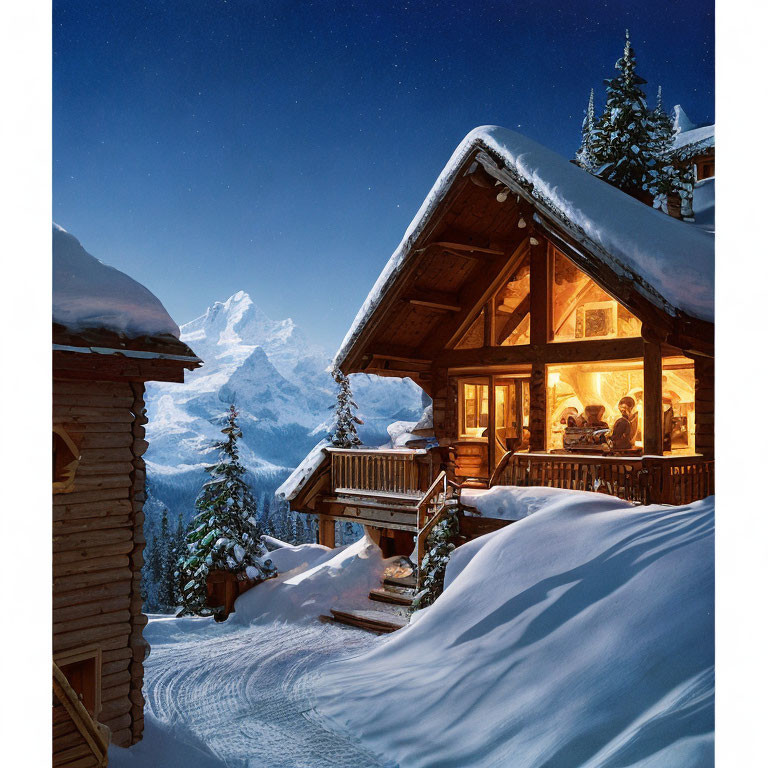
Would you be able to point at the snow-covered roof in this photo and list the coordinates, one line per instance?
(88, 294)
(298, 478)
(694, 141)
(670, 262)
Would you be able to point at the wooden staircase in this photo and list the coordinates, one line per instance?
(388, 611)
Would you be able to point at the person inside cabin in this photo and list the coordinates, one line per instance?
(624, 430)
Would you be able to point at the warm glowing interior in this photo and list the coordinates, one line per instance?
(510, 415)
(678, 389)
(583, 406)
(474, 412)
(512, 319)
(581, 309)
(474, 335)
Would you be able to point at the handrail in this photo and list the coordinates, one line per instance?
(440, 486)
(88, 728)
(440, 483)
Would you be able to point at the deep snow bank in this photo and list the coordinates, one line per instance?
(505, 503)
(312, 579)
(579, 636)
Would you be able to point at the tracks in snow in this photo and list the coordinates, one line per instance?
(245, 692)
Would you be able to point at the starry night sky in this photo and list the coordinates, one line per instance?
(282, 148)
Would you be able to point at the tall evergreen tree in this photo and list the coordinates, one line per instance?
(586, 156)
(224, 534)
(178, 554)
(164, 544)
(344, 431)
(623, 144)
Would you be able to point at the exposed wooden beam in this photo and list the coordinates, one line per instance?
(653, 430)
(450, 246)
(447, 302)
(515, 318)
(477, 290)
(562, 352)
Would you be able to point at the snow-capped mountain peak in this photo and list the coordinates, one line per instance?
(281, 386)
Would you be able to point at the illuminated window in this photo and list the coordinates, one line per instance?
(473, 337)
(473, 415)
(678, 390)
(595, 407)
(512, 319)
(582, 310)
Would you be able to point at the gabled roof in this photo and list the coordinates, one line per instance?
(669, 263)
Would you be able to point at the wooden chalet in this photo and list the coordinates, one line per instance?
(536, 305)
(98, 497)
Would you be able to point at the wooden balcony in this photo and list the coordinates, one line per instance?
(380, 488)
(640, 479)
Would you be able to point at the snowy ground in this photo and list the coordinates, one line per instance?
(579, 637)
(237, 696)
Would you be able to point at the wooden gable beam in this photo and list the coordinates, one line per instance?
(514, 319)
(474, 295)
(446, 302)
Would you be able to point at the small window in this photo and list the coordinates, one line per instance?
(473, 416)
(65, 460)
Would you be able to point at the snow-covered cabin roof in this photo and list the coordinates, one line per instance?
(690, 139)
(99, 308)
(90, 294)
(671, 263)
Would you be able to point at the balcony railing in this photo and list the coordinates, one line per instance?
(397, 472)
(640, 479)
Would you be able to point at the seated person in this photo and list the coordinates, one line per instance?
(625, 428)
(593, 417)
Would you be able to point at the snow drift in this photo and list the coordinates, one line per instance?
(580, 636)
(311, 580)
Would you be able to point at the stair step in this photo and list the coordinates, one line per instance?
(374, 621)
(390, 596)
(408, 582)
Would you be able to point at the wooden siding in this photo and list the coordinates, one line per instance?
(98, 543)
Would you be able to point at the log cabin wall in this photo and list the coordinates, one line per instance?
(98, 545)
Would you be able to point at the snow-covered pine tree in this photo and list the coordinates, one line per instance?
(179, 549)
(623, 145)
(671, 179)
(164, 544)
(224, 534)
(344, 431)
(586, 154)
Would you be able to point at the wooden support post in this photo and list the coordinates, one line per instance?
(540, 258)
(653, 430)
(326, 528)
(491, 425)
(537, 423)
(704, 371)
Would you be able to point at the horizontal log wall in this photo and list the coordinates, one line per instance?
(98, 543)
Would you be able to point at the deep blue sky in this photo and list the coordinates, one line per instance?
(282, 148)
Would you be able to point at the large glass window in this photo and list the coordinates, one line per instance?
(678, 390)
(595, 407)
(582, 310)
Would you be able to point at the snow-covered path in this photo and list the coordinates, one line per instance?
(244, 694)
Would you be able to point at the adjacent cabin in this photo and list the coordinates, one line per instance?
(564, 331)
(110, 336)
